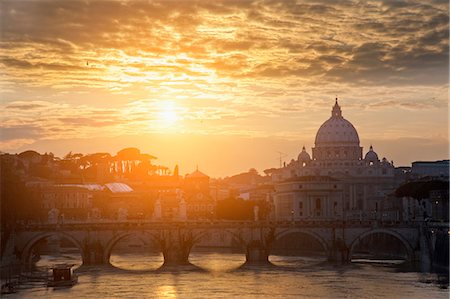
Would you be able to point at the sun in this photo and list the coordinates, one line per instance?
(168, 113)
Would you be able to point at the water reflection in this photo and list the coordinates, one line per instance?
(138, 261)
(135, 253)
(220, 274)
(166, 291)
(218, 260)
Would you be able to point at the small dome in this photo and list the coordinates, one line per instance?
(337, 130)
(371, 156)
(385, 161)
(304, 156)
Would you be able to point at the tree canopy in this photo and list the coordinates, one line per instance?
(420, 189)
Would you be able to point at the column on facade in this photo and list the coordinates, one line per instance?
(310, 206)
(295, 206)
(365, 203)
(329, 207)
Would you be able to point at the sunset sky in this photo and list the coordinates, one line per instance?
(226, 85)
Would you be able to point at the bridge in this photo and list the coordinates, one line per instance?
(338, 239)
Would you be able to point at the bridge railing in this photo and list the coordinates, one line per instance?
(316, 223)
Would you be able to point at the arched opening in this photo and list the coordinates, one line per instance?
(135, 251)
(217, 250)
(297, 248)
(45, 251)
(380, 246)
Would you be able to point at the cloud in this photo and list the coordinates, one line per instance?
(23, 105)
(92, 68)
(113, 33)
(19, 132)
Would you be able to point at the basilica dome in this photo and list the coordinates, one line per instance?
(337, 131)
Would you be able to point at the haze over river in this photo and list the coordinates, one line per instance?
(222, 275)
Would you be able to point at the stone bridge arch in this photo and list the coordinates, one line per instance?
(406, 244)
(325, 246)
(117, 238)
(27, 249)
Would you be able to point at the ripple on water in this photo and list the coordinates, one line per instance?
(224, 275)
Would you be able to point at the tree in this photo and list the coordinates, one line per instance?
(420, 189)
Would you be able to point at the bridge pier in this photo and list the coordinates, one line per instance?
(425, 246)
(256, 253)
(176, 247)
(175, 255)
(94, 254)
(339, 252)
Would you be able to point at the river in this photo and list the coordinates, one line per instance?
(223, 275)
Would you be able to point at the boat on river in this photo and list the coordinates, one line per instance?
(8, 288)
(63, 276)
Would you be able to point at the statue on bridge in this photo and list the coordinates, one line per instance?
(157, 214)
(182, 205)
(53, 216)
(256, 213)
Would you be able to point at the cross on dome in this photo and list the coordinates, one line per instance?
(336, 112)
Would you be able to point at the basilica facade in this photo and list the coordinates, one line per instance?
(337, 181)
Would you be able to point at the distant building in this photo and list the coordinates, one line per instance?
(337, 181)
(258, 192)
(73, 202)
(189, 199)
(199, 202)
(431, 168)
(118, 201)
(81, 202)
(308, 197)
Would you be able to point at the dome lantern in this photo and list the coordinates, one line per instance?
(336, 112)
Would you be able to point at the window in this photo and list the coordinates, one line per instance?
(300, 186)
(318, 204)
(300, 205)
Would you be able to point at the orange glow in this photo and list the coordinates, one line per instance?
(167, 113)
(254, 74)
